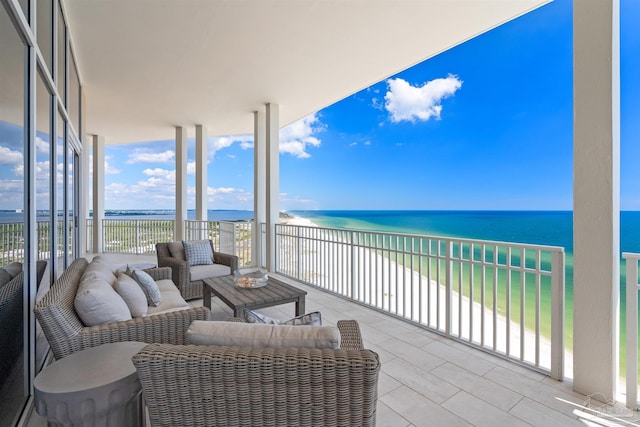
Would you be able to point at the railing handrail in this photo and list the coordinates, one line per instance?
(517, 245)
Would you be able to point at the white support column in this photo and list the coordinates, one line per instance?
(272, 182)
(181, 182)
(201, 173)
(259, 183)
(98, 192)
(596, 195)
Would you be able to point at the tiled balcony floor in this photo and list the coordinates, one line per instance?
(428, 380)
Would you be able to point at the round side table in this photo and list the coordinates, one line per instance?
(98, 386)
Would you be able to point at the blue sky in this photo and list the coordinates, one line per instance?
(485, 125)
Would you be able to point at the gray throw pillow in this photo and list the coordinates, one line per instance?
(176, 249)
(5, 277)
(309, 319)
(148, 285)
(198, 253)
(13, 269)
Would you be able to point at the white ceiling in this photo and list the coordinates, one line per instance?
(149, 65)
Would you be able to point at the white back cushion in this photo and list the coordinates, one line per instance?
(97, 302)
(202, 332)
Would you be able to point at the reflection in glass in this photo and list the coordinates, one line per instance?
(73, 105)
(62, 57)
(70, 201)
(60, 193)
(12, 367)
(42, 198)
(24, 5)
(44, 28)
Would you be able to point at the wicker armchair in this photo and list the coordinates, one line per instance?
(246, 386)
(66, 333)
(181, 271)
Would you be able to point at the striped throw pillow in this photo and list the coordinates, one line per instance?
(198, 253)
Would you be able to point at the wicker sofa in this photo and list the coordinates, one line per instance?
(200, 385)
(188, 278)
(67, 334)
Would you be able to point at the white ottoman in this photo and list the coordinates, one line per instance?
(98, 386)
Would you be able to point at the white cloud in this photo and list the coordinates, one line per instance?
(296, 138)
(146, 156)
(405, 102)
(191, 168)
(9, 156)
(42, 146)
(227, 197)
(109, 169)
(158, 177)
(218, 143)
(11, 185)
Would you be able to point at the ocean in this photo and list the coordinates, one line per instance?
(553, 228)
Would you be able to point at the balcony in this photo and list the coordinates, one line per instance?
(441, 355)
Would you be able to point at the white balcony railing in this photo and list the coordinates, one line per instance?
(632, 290)
(136, 236)
(141, 236)
(12, 241)
(505, 298)
(231, 237)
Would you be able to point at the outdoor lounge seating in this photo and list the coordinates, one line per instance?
(226, 385)
(188, 275)
(67, 333)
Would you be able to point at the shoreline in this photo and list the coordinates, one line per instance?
(371, 269)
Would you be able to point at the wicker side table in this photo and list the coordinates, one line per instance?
(98, 386)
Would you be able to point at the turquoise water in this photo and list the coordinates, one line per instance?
(553, 228)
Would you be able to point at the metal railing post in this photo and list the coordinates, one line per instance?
(353, 264)
(632, 330)
(557, 315)
(137, 244)
(448, 280)
(299, 253)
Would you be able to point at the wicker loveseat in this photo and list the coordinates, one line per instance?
(67, 334)
(188, 278)
(202, 385)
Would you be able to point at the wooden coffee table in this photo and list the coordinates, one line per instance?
(275, 293)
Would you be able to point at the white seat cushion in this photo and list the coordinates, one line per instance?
(166, 285)
(199, 272)
(170, 300)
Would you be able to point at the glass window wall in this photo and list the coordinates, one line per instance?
(12, 143)
(73, 105)
(52, 195)
(43, 168)
(44, 28)
(60, 194)
(62, 58)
